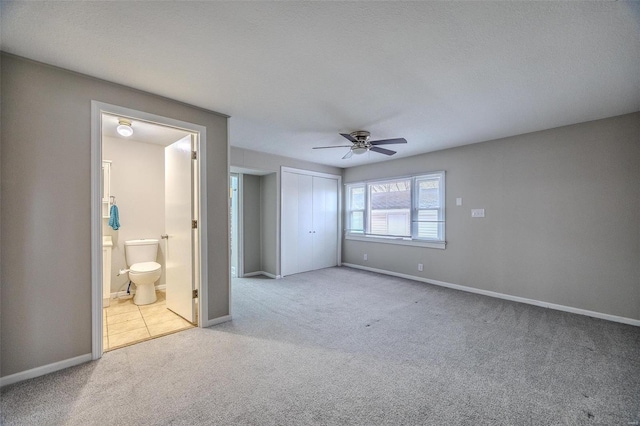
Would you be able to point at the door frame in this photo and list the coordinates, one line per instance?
(309, 173)
(239, 231)
(97, 109)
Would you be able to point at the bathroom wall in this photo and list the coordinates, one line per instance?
(137, 181)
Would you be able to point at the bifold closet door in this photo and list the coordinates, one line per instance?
(325, 222)
(297, 236)
(305, 223)
(309, 222)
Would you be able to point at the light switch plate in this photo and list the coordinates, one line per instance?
(477, 212)
(458, 201)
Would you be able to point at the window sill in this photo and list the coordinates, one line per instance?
(398, 241)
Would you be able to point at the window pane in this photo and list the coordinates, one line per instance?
(356, 222)
(356, 195)
(429, 193)
(428, 224)
(390, 208)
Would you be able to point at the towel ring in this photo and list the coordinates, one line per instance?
(113, 200)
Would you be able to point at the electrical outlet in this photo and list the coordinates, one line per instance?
(477, 212)
(420, 267)
(365, 256)
(458, 201)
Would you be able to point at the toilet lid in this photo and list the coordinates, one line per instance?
(144, 267)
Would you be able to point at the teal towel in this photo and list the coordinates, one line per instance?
(114, 218)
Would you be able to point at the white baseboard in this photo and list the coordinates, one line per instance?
(133, 291)
(266, 274)
(45, 369)
(594, 314)
(215, 321)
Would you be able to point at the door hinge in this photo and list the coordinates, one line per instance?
(194, 224)
(195, 294)
(194, 155)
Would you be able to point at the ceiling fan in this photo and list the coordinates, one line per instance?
(360, 144)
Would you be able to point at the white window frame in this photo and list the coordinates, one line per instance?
(413, 240)
(349, 230)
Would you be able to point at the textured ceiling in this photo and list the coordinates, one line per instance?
(294, 74)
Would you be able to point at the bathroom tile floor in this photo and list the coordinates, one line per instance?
(125, 323)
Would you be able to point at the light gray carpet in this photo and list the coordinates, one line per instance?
(342, 346)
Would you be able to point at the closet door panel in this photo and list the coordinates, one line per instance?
(325, 222)
(305, 253)
(289, 223)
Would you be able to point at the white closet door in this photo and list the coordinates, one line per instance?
(325, 222)
(289, 243)
(309, 227)
(305, 223)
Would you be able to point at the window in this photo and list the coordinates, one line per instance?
(398, 210)
(356, 209)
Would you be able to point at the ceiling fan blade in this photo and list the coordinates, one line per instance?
(325, 147)
(389, 141)
(382, 150)
(348, 136)
(348, 155)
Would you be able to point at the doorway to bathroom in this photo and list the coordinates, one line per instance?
(150, 206)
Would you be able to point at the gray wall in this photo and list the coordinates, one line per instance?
(561, 220)
(260, 161)
(269, 219)
(251, 223)
(45, 314)
(259, 194)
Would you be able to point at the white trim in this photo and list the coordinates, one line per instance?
(202, 286)
(311, 173)
(266, 274)
(45, 369)
(564, 308)
(215, 321)
(441, 245)
(96, 230)
(97, 109)
(240, 270)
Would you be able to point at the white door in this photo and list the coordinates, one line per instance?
(179, 213)
(289, 225)
(325, 222)
(297, 229)
(309, 222)
(305, 223)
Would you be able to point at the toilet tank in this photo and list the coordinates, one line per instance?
(137, 251)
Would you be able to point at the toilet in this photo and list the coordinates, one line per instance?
(144, 271)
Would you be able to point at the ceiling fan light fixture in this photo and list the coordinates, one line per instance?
(359, 150)
(124, 128)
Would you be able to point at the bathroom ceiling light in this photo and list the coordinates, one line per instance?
(124, 128)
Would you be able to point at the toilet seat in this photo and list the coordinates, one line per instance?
(143, 267)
